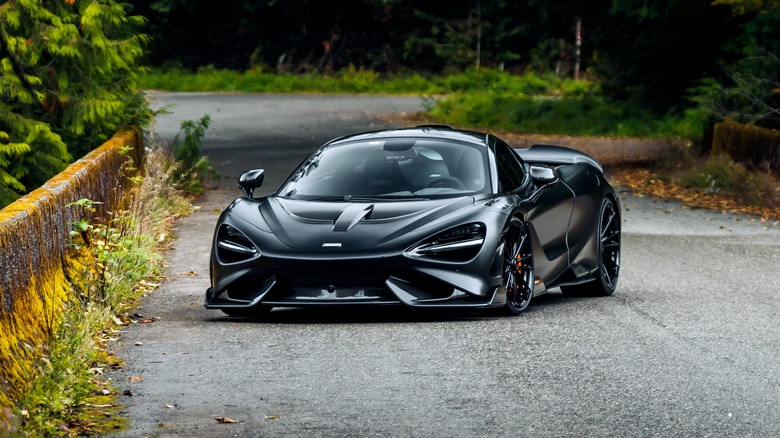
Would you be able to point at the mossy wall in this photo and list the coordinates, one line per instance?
(34, 233)
(753, 145)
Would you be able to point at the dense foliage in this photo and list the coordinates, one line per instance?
(646, 51)
(68, 82)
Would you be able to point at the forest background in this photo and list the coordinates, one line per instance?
(73, 69)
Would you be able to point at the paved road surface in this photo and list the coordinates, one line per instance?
(687, 346)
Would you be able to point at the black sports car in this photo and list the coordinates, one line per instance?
(425, 217)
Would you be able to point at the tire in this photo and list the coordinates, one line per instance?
(257, 312)
(517, 269)
(609, 255)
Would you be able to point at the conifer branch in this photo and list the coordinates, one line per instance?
(5, 51)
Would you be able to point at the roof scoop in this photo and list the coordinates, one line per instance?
(350, 216)
(398, 144)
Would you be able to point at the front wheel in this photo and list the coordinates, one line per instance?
(609, 255)
(517, 273)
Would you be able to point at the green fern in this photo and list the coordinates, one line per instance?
(68, 81)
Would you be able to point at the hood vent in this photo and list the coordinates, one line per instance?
(350, 216)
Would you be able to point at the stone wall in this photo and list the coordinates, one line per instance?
(34, 233)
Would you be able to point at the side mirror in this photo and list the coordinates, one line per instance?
(543, 174)
(250, 180)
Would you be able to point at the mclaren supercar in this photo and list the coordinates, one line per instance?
(426, 217)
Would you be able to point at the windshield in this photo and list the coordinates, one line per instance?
(398, 168)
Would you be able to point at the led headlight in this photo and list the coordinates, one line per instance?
(233, 246)
(461, 243)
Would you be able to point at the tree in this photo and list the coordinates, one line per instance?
(749, 90)
(654, 51)
(68, 82)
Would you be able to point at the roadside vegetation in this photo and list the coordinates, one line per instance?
(113, 265)
(479, 98)
(710, 182)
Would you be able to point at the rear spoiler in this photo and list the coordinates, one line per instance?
(556, 155)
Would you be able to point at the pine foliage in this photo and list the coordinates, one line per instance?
(68, 71)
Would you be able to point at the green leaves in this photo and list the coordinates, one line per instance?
(68, 78)
(192, 169)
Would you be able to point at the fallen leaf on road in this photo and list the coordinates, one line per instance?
(136, 378)
(271, 417)
(170, 406)
(188, 274)
(226, 420)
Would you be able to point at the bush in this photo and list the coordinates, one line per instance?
(720, 175)
(191, 169)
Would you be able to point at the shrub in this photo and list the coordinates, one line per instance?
(191, 168)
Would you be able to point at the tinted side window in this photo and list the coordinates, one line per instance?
(510, 169)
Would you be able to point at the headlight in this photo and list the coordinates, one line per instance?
(461, 243)
(233, 246)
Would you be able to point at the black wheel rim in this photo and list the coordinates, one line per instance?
(518, 273)
(609, 233)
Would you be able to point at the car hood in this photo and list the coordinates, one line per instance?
(361, 225)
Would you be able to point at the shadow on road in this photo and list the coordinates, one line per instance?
(384, 315)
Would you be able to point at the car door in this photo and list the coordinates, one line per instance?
(584, 182)
(549, 216)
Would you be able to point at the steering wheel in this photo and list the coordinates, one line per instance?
(445, 182)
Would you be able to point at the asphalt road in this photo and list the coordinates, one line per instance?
(687, 346)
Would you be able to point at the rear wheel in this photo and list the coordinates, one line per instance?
(609, 255)
(517, 274)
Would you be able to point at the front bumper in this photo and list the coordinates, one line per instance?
(378, 281)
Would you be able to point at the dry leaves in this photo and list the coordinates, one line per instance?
(187, 274)
(642, 182)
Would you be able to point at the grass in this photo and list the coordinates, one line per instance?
(588, 115)
(259, 81)
(352, 80)
(112, 265)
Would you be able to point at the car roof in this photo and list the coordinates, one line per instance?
(422, 132)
